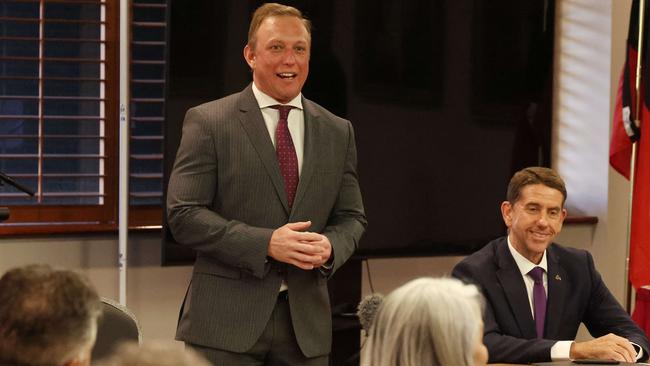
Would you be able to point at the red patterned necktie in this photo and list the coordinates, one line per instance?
(539, 299)
(286, 153)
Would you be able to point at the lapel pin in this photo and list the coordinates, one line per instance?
(558, 278)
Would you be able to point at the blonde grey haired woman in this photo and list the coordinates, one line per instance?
(428, 322)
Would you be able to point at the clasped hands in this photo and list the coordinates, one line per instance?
(292, 244)
(607, 347)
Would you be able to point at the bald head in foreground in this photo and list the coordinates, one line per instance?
(48, 317)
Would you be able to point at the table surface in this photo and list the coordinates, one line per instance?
(565, 362)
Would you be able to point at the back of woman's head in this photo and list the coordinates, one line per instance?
(426, 322)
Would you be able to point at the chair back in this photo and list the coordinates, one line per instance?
(116, 325)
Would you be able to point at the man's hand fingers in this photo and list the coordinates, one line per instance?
(306, 248)
(321, 242)
(623, 347)
(616, 357)
(305, 258)
(326, 246)
(607, 347)
(308, 237)
(628, 355)
(299, 226)
(616, 353)
(292, 244)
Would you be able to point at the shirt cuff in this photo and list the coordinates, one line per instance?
(561, 350)
(639, 351)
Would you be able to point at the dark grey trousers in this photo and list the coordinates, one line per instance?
(277, 346)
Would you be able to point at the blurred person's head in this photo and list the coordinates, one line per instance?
(428, 322)
(153, 354)
(48, 317)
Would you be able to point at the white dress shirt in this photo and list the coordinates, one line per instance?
(295, 121)
(561, 349)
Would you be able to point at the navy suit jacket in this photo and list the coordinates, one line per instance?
(576, 294)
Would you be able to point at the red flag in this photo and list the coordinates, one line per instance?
(624, 133)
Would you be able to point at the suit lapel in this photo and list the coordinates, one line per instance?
(253, 123)
(558, 282)
(312, 134)
(515, 291)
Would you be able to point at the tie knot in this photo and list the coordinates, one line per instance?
(283, 109)
(537, 274)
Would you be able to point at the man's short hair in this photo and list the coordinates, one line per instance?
(47, 316)
(271, 10)
(535, 175)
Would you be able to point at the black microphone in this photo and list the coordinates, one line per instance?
(367, 309)
(7, 179)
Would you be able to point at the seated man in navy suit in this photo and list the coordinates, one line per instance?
(538, 292)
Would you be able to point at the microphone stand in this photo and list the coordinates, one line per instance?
(5, 179)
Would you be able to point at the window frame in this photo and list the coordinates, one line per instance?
(50, 219)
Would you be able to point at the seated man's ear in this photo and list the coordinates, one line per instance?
(506, 212)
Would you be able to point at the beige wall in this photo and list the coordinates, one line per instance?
(618, 189)
(589, 54)
(154, 293)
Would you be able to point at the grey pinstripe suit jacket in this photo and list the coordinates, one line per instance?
(226, 196)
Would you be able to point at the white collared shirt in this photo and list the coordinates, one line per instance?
(526, 266)
(561, 349)
(295, 121)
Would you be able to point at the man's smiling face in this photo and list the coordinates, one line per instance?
(534, 219)
(279, 57)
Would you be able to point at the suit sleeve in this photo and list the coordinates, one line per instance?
(503, 348)
(192, 188)
(605, 315)
(347, 219)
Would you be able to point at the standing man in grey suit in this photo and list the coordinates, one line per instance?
(265, 189)
(538, 292)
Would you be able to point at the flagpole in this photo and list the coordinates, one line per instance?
(637, 121)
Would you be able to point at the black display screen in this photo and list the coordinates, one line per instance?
(447, 98)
